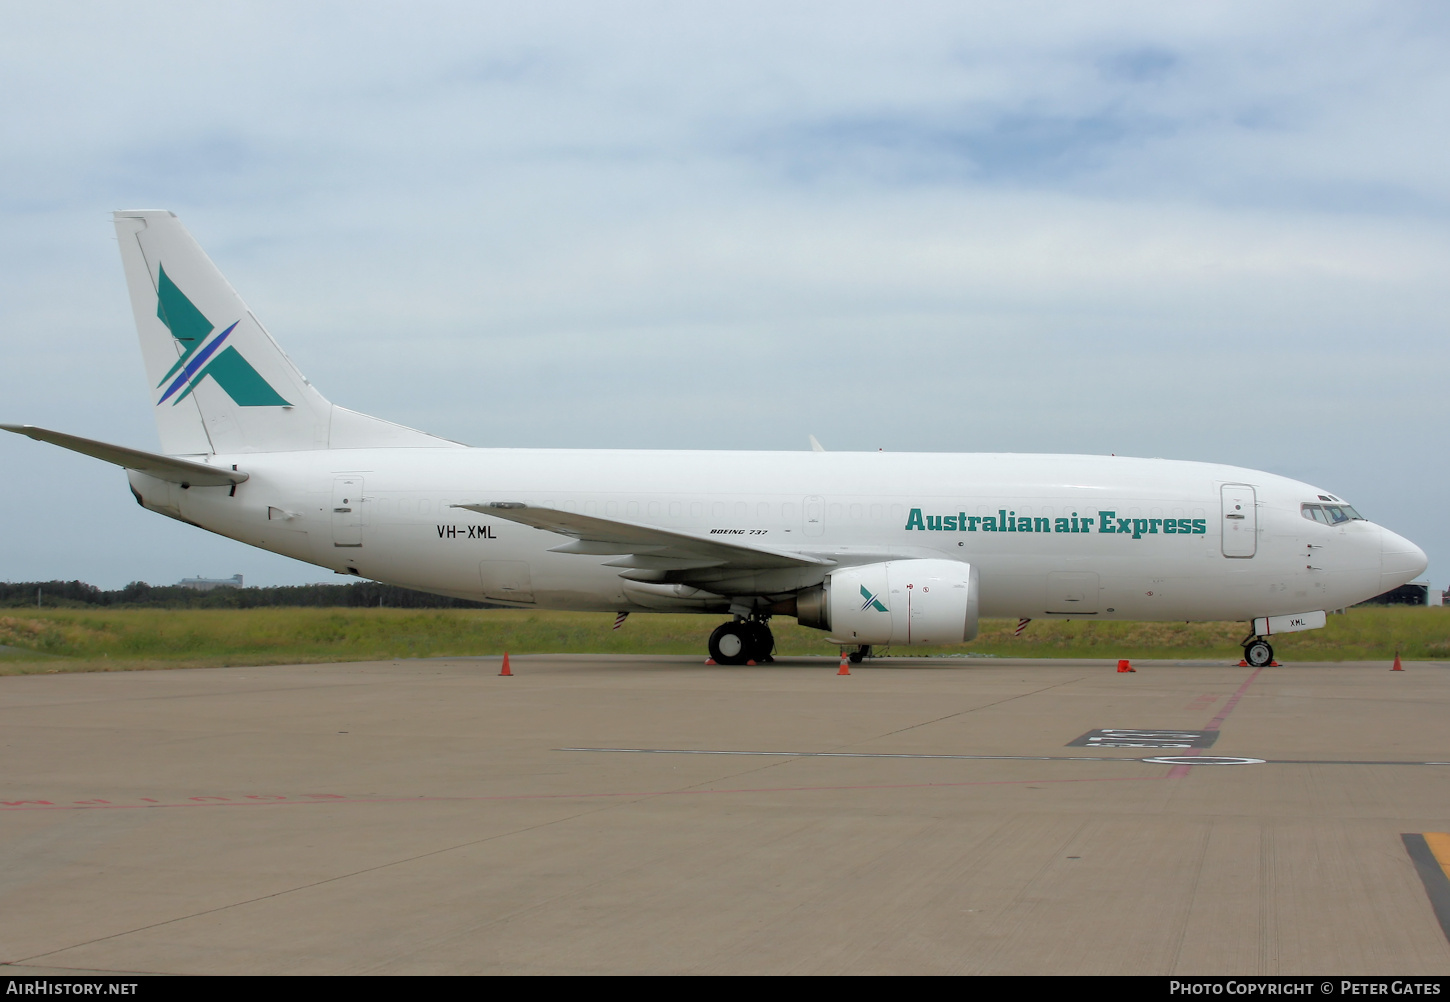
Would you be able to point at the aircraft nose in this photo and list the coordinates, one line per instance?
(1401, 561)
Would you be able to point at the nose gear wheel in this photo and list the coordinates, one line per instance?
(1258, 653)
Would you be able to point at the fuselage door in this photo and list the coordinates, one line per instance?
(347, 520)
(815, 516)
(1240, 521)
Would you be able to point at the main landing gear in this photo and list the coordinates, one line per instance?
(861, 651)
(1257, 652)
(742, 641)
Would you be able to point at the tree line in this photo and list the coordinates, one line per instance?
(78, 594)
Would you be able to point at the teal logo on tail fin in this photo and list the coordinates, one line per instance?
(200, 356)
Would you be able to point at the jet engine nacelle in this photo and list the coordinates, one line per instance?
(895, 602)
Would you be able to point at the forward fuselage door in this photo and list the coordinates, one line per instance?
(1240, 520)
(347, 520)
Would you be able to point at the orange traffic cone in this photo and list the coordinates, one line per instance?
(843, 670)
(1123, 665)
(1398, 666)
(1243, 664)
(506, 673)
(710, 661)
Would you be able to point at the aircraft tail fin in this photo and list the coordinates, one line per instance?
(220, 384)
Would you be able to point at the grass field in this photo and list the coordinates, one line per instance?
(51, 640)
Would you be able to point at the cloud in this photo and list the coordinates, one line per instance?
(1211, 232)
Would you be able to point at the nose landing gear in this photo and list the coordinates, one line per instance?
(742, 641)
(1258, 653)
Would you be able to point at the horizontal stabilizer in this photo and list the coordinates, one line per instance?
(654, 547)
(176, 471)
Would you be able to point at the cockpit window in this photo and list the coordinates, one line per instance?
(1330, 514)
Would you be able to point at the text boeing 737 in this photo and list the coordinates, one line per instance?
(875, 548)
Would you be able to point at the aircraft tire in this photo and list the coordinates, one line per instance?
(1258, 653)
(762, 643)
(732, 643)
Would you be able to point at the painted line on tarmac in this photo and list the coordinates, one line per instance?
(1233, 701)
(1184, 760)
(1430, 852)
(825, 754)
(335, 799)
(1176, 760)
(294, 800)
(1182, 769)
(339, 799)
(142, 803)
(1346, 761)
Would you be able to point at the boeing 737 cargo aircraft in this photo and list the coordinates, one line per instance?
(873, 548)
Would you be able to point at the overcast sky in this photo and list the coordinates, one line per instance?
(1212, 231)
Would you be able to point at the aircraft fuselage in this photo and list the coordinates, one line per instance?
(1089, 537)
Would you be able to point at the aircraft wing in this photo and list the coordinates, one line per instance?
(644, 547)
(177, 471)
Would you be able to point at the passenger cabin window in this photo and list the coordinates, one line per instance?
(1330, 514)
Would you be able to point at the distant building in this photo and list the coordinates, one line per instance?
(1414, 593)
(207, 584)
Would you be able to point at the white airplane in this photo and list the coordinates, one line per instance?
(873, 548)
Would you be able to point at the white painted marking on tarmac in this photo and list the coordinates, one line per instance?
(1203, 760)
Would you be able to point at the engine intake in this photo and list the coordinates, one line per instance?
(895, 602)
